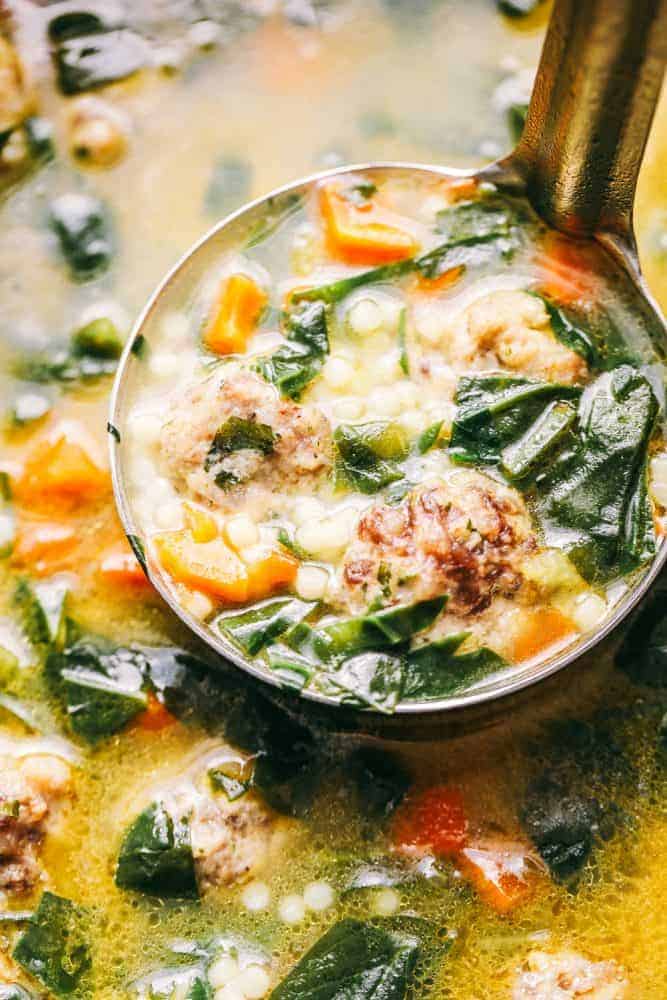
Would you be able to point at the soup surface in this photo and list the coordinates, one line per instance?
(166, 829)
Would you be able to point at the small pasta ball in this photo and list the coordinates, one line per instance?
(338, 373)
(256, 896)
(254, 982)
(311, 582)
(292, 909)
(386, 902)
(365, 317)
(222, 971)
(318, 896)
(588, 611)
(659, 479)
(242, 532)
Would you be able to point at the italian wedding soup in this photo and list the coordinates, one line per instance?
(398, 439)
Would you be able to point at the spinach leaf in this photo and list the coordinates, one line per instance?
(28, 408)
(287, 540)
(571, 334)
(353, 961)
(369, 680)
(231, 778)
(296, 363)
(494, 410)
(428, 438)
(199, 990)
(366, 455)
(561, 823)
(42, 609)
(84, 62)
(156, 856)
(336, 291)
(592, 501)
(436, 670)
(258, 627)
(524, 455)
(404, 358)
(291, 669)
(80, 222)
(382, 629)
(53, 948)
(381, 782)
(39, 136)
(475, 232)
(229, 186)
(100, 684)
(237, 434)
(93, 352)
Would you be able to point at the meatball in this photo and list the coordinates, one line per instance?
(299, 439)
(512, 330)
(31, 789)
(567, 975)
(464, 536)
(233, 842)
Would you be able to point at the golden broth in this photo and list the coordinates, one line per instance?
(286, 98)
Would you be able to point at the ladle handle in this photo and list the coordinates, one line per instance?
(590, 113)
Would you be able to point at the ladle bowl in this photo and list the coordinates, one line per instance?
(597, 85)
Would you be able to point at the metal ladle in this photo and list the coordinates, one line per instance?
(591, 109)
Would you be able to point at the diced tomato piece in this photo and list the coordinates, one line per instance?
(434, 819)
(156, 716)
(540, 630)
(362, 234)
(500, 873)
(234, 316)
(120, 566)
(43, 543)
(209, 566)
(60, 466)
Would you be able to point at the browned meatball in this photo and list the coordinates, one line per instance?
(30, 791)
(464, 536)
(301, 445)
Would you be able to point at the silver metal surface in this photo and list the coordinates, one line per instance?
(546, 165)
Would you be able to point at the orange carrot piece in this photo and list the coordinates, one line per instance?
(542, 629)
(435, 820)
(59, 466)
(500, 874)
(43, 543)
(268, 571)
(443, 281)
(362, 234)
(208, 566)
(234, 315)
(120, 566)
(155, 717)
(459, 189)
(565, 275)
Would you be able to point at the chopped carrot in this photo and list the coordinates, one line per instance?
(43, 543)
(540, 630)
(268, 570)
(565, 274)
(156, 716)
(60, 466)
(443, 281)
(434, 819)
(120, 566)
(501, 874)
(234, 315)
(209, 566)
(459, 189)
(203, 526)
(362, 234)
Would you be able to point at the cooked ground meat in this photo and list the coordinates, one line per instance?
(31, 790)
(301, 445)
(464, 536)
(233, 841)
(511, 329)
(566, 976)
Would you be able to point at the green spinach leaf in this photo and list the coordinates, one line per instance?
(296, 363)
(53, 948)
(366, 456)
(383, 629)
(257, 627)
(437, 670)
(93, 352)
(524, 455)
(156, 856)
(84, 62)
(42, 609)
(237, 434)
(571, 333)
(353, 961)
(84, 233)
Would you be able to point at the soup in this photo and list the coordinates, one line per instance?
(166, 828)
(419, 453)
